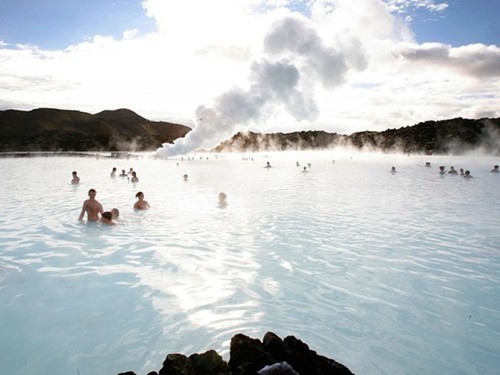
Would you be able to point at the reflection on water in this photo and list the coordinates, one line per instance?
(385, 273)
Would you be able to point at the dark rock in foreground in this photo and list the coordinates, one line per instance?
(248, 356)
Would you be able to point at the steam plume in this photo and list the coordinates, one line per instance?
(276, 82)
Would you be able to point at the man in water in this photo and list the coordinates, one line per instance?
(115, 213)
(92, 207)
(76, 179)
(495, 169)
(141, 204)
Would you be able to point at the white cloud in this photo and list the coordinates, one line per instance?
(341, 65)
(403, 6)
(475, 60)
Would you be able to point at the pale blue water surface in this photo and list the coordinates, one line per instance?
(387, 274)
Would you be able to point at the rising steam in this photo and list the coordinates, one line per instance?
(296, 61)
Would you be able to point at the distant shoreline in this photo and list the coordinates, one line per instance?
(89, 154)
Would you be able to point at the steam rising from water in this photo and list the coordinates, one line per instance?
(296, 61)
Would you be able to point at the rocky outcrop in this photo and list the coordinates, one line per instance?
(454, 136)
(248, 356)
(54, 130)
(48, 129)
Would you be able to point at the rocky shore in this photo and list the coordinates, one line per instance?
(250, 356)
(455, 136)
(122, 130)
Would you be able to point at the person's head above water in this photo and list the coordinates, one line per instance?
(107, 218)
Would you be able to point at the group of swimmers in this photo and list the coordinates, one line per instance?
(131, 174)
(443, 170)
(465, 174)
(453, 171)
(95, 212)
(93, 208)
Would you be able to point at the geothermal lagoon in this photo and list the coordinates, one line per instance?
(385, 273)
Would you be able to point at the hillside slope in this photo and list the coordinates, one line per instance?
(453, 136)
(48, 129)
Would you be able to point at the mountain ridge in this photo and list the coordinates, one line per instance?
(51, 129)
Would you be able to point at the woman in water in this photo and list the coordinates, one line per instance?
(141, 204)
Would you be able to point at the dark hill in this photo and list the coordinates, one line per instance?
(454, 136)
(48, 129)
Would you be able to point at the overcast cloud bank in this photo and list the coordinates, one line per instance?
(340, 66)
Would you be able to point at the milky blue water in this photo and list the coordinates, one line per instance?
(386, 273)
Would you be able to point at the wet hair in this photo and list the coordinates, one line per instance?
(74, 172)
(92, 191)
(107, 215)
(138, 194)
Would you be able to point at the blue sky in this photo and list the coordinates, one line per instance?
(462, 22)
(262, 65)
(55, 24)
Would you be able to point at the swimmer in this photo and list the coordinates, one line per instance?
(427, 163)
(495, 169)
(304, 170)
(141, 204)
(113, 173)
(222, 200)
(467, 174)
(452, 170)
(130, 170)
(107, 218)
(442, 170)
(268, 165)
(393, 170)
(115, 213)
(76, 179)
(123, 174)
(92, 207)
(461, 172)
(185, 177)
(134, 177)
